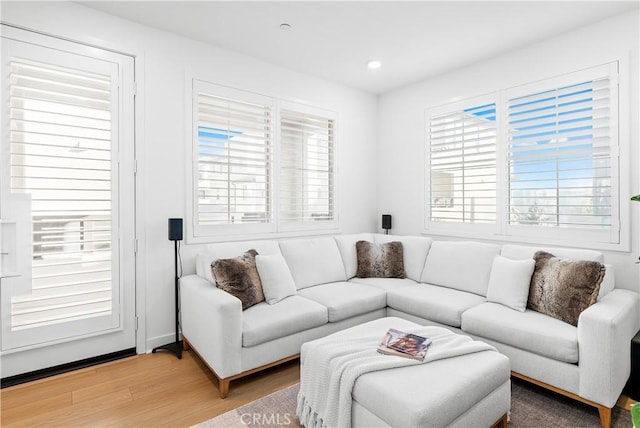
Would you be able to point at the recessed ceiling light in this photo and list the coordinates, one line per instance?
(374, 64)
(285, 27)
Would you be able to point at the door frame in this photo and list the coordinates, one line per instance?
(135, 117)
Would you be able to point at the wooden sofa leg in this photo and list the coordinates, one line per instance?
(502, 422)
(605, 416)
(224, 387)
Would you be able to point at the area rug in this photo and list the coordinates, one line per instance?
(531, 407)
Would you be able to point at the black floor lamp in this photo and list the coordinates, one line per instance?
(175, 235)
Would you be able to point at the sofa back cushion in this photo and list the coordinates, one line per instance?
(465, 265)
(227, 250)
(347, 246)
(313, 261)
(519, 252)
(415, 250)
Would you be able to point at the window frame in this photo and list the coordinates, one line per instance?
(122, 166)
(611, 239)
(577, 234)
(452, 228)
(301, 226)
(196, 233)
(222, 230)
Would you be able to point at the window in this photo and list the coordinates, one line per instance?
(462, 157)
(261, 165)
(306, 167)
(559, 154)
(233, 150)
(538, 160)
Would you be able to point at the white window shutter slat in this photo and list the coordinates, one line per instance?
(234, 139)
(306, 167)
(462, 165)
(60, 144)
(559, 156)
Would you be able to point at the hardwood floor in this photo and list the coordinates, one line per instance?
(151, 390)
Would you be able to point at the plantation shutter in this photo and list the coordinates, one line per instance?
(306, 186)
(60, 154)
(234, 139)
(559, 141)
(462, 164)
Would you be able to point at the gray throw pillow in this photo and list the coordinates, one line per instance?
(380, 261)
(239, 277)
(564, 288)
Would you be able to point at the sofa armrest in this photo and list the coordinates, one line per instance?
(211, 321)
(605, 330)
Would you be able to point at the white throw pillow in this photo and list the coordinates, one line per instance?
(277, 282)
(509, 282)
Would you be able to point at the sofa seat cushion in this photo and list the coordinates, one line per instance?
(440, 304)
(263, 322)
(529, 330)
(346, 299)
(384, 283)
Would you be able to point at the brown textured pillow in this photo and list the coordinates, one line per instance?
(380, 261)
(239, 277)
(564, 288)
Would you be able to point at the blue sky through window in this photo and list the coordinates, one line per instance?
(212, 139)
(555, 175)
(564, 165)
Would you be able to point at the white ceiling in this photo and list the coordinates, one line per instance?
(334, 40)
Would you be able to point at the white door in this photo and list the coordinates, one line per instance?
(66, 202)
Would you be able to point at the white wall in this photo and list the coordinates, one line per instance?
(371, 182)
(163, 60)
(401, 120)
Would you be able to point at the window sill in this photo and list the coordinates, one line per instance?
(623, 247)
(260, 236)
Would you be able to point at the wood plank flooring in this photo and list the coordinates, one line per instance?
(151, 390)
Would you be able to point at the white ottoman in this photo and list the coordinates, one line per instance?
(472, 390)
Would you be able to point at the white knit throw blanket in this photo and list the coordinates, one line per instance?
(330, 368)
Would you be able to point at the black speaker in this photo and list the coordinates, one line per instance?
(386, 221)
(175, 229)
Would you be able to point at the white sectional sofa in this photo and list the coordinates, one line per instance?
(446, 285)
